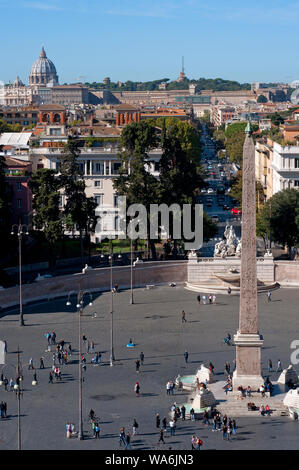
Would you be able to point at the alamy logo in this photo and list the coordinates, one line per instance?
(294, 357)
(157, 222)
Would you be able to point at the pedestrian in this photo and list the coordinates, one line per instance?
(227, 367)
(198, 443)
(11, 384)
(211, 367)
(171, 387)
(229, 431)
(41, 363)
(204, 299)
(164, 424)
(234, 426)
(84, 339)
(93, 427)
(122, 437)
(279, 367)
(35, 377)
(198, 299)
(91, 414)
(141, 358)
(270, 366)
(171, 425)
(161, 438)
(229, 290)
(30, 365)
(97, 431)
(184, 317)
(48, 336)
(192, 414)
(193, 442)
(210, 299)
(53, 337)
(59, 357)
(214, 299)
(137, 365)
(224, 432)
(135, 427)
(168, 387)
(128, 441)
(214, 426)
(2, 410)
(269, 296)
(68, 430)
(54, 359)
(5, 346)
(183, 412)
(205, 418)
(91, 346)
(186, 355)
(70, 349)
(158, 420)
(137, 389)
(50, 378)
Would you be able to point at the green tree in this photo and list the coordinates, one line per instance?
(276, 119)
(78, 208)
(281, 217)
(44, 186)
(134, 181)
(262, 99)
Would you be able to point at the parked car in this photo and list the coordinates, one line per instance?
(236, 211)
(210, 190)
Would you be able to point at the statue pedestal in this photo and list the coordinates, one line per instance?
(248, 367)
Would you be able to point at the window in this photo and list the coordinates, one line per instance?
(115, 197)
(115, 167)
(296, 183)
(58, 166)
(81, 168)
(98, 183)
(116, 223)
(98, 199)
(296, 162)
(97, 169)
(19, 186)
(54, 131)
(19, 203)
(157, 166)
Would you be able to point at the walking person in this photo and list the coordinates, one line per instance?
(161, 437)
(141, 358)
(164, 425)
(224, 432)
(186, 355)
(128, 441)
(211, 367)
(198, 299)
(50, 378)
(171, 426)
(205, 418)
(183, 412)
(135, 427)
(137, 366)
(229, 291)
(41, 363)
(270, 366)
(30, 364)
(269, 296)
(11, 384)
(227, 367)
(193, 442)
(53, 337)
(279, 366)
(35, 377)
(184, 317)
(229, 431)
(234, 426)
(137, 389)
(198, 443)
(122, 437)
(192, 414)
(158, 420)
(97, 431)
(48, 336)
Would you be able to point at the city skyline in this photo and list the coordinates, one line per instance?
(232, 42)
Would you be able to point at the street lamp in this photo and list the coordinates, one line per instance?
(20, 232)
(112, 356)
(80, 303)
(131, 249)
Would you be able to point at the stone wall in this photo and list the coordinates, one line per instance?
(98, 280)
(287, 273)
(203, 269)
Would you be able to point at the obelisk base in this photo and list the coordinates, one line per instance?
(248, 362)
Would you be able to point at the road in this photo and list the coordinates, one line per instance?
(216, 196)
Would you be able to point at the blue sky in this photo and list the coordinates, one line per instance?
(145, 39)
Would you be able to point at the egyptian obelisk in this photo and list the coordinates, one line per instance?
(247, 340)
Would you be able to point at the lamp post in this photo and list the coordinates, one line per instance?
(20, 232)
(80, 298)
(112, 356)
(131, 292)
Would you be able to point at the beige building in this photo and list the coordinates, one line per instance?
(263, 165)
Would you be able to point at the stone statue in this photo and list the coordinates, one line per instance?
(228, 246)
